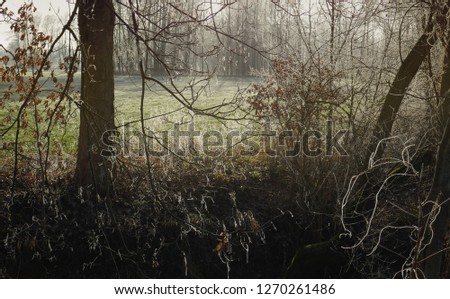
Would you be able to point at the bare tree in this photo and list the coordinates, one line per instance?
(439, 196)
(397, 91)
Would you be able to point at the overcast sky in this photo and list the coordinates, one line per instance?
(44, 7)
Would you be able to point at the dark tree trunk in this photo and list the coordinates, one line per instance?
(96, 26)
(434, 252)
(394, 98)
(391, 106)
(440, 192)
(444, 101)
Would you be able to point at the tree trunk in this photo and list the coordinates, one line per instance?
(394, 98)
(434, 252)
(440, 192)
(444, 101)
(96, 26)
(405, 74)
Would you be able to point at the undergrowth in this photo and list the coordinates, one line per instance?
(242, 217)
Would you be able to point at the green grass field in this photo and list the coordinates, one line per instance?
(158, 102)
(161, 109)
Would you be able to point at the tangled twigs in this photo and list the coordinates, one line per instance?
(381, 217)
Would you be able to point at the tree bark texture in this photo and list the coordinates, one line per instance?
(96, 27)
